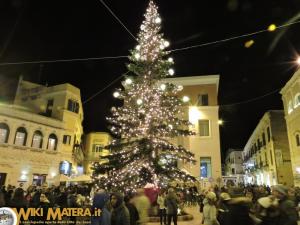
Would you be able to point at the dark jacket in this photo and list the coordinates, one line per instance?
(223, 215)
(134, 215)
(120, 214)
(239, 211)
(99, 202)
(287, 212)
(171, 204)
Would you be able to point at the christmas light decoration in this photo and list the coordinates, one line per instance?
(171, 72)
(163, 87)
(139, 101)
(170, 60)
(128, 81)
(116, 94)
(150, 117)
(272, 27)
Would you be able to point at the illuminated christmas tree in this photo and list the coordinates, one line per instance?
(149, 120)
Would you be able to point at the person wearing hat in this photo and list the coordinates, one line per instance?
(120, 214)
(224, 209)
(287, 209)
(267, 211)
(210, 210)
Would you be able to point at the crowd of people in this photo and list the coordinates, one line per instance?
(243, 205)
(250, 205)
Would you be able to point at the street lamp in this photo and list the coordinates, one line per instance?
(298, 61)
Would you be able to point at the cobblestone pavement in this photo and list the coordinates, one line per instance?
(191, 210)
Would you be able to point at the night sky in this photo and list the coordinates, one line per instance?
(33, 30)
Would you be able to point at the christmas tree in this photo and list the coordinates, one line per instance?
(149, 120)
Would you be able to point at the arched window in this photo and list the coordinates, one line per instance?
(290, 107)
(297, 100)
(4, 132)
(52, 142)
(297, 139)
(37, 139)
(21, 136)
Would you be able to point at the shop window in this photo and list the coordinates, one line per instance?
(205, 167)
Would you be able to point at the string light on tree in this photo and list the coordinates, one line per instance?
(166, 44)
(128, 81)
(150, 116)
(139, 101)
(171, 72)
(116, 94)
(158, 20)
(163, 87)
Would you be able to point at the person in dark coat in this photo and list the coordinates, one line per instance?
(18, 200)
(171, 203)
(239, 208)
(287, 209)
(120, 214)
(134, 214)
(99, 202)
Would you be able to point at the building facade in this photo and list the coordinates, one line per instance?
(40, 134)
(203, 114)
(234, 162)
(94, 148)
(291, 101)
(266, 155)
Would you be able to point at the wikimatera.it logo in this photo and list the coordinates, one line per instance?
(12, 216)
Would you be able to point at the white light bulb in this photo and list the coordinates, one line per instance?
(158, 20)
(298, 60)
(142, 27)
(166, 43)
(171, 72)
(163, 87)
(171, 126)
(170, 60)
(161, 47)
(185, 99)
(137, 55)
(139, 101)
(128, 81)
(138, 47)
(116, 94)
(180, 87)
